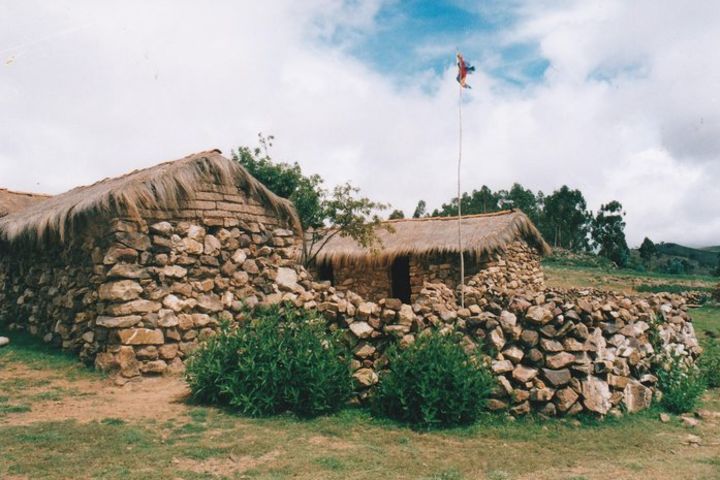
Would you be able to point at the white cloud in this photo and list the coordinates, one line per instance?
(628, 109)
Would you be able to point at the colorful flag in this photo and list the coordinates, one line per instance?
(463, 70)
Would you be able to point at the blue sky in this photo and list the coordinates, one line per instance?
(414, 36)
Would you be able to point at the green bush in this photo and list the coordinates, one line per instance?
(282, 360)
(709, 362)
(681, 385)
(433, 383)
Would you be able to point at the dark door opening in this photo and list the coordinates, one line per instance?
(400, 274)
(325, 273)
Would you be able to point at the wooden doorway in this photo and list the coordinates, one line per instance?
(400, 275)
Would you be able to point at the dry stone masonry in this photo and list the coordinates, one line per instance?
(136, 294)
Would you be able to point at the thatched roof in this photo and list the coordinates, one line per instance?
(427, 236)
(164, 186)
(11, 202)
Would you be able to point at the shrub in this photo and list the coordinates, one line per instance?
(433, 383)
(709, 362)
(282, 360)
(681, 385)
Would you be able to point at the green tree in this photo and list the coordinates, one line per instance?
(420, 209)
(323, 213)
(396, 214)
(521, 198)
(564, 219)
(479, 201)
(608, 233)
(647, 249)
(717, 269)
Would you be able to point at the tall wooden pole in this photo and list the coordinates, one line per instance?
(460, 243)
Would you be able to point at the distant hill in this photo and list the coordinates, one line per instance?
(674, 258)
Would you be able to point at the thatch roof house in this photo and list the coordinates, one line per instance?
(134, 269)
(11, 202)
(418, 250)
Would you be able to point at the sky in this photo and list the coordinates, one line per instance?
(620, 99)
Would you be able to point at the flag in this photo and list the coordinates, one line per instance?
(463, 69)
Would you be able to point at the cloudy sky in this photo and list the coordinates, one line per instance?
(618, 98)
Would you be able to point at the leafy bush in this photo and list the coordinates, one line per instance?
(681, 385)
(709, 362)
(282, 360)
(433, 383)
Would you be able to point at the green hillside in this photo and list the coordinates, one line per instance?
(679, 259)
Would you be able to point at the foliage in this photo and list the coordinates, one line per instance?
(522, 198)
(682, 385)
(420, 209)
(608, 233)
(647, 249)
(709, 362)
(479, 201)
(286, 180)
(282, 360)
(433, 383)
(396, 214)
(341, 210)
(565, 220)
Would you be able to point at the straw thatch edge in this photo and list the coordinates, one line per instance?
(520, 227)
(165, 187)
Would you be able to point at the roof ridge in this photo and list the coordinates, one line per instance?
(31, 194)
(453, 217)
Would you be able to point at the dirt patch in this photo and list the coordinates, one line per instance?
(159, 398)
(229, 465)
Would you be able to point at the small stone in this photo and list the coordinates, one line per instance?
(539, 315)
(664, 417)
(557, 377)
(565, 398)
(121, 290)
(559, 360)
(523, 374)
(514, 354)
(4, 341)
(361, 329)
(286, 278)
(693, 440)
(596, 395)
(141, 336)
(365, 377)
(212, 245)
(636, 397)
(689, 421)
(502, 366)
(118, 322)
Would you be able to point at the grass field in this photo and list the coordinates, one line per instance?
(60, 420)
(624, 280)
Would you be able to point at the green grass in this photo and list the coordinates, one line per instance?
(706, 319)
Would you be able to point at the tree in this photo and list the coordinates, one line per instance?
(520, 197)
(479, 201)
(323, 214)
(564, 219)
(420, 209)
(717, 269)
(608, 233)
(396, 214)
(647, 249)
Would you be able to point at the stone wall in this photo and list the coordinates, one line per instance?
(554, 352)
(137, 295)
(518, 265)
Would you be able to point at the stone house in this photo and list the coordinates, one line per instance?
(418, 250)
(11, 202)
(133, 271)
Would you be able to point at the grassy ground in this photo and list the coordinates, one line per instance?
(59, 420)
(628, 281)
